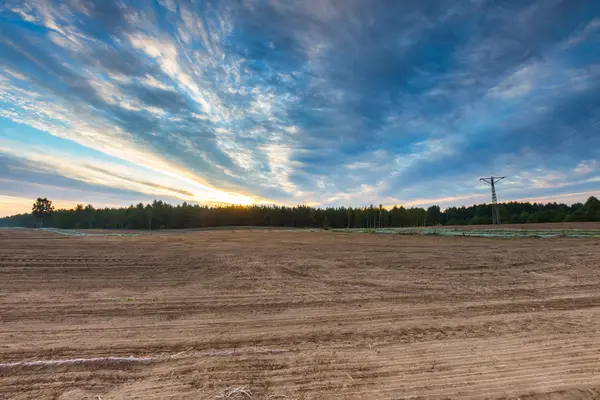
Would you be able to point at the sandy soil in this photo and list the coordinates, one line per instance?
(298, 315)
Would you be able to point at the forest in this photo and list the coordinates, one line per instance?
(161, 215)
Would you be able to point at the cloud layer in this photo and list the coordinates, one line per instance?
(319, 102)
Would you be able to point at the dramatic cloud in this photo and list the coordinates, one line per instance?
(320, 102)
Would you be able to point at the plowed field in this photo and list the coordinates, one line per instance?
(297, 315)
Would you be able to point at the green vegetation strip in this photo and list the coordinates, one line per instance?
(501, 233)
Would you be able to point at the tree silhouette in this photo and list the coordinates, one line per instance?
(42, 208)
(79, 215)
(434, 215)
(89, 215)
(160, 215)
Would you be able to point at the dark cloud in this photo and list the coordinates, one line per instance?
(107, 20)
(21, 177)
(167, 100)
(118, 59)
(556, 140)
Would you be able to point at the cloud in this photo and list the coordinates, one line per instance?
(582, 35)
(321, 102)
(585, 167)
(162, 189)
(568, 198)
(123, 178)
(23, 178)
(518, 84)
(160, 98)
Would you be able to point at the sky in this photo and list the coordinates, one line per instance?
(320, 102)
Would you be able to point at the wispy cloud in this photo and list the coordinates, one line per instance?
(518, 84)
(582, 35)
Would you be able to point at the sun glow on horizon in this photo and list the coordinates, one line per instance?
(229, 198)
(12, 205)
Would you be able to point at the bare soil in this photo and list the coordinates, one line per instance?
(298, 315)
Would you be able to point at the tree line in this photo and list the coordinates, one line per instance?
(161, 215)
(524, 212)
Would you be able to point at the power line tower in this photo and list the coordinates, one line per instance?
(492, 180)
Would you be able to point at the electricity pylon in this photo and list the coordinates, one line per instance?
(492, 180)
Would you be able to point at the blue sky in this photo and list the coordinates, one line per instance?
(323, 102)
